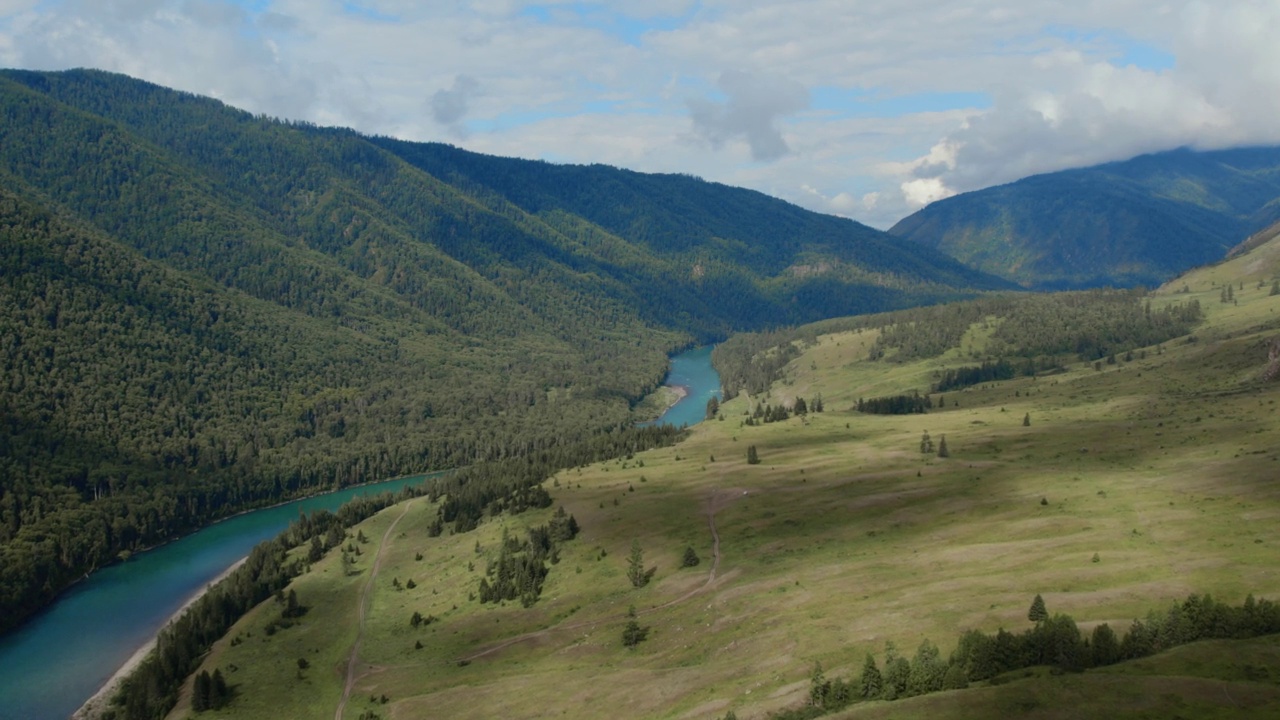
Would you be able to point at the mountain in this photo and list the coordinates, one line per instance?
(1141, 221)
(204, 310)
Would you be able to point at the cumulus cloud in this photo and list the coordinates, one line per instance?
(1069, 109)
(610, 80)
(751, 111)
(449, 107)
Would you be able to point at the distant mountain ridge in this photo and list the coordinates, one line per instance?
(1140, 221)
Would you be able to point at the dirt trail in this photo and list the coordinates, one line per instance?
(718, 501)
(363, 610)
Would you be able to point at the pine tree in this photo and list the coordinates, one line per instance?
(753, 457)
(926, 443)
(872, 684)
(955, 679)
(219, 694)
(635, 566)
(1037, 613)
(942, 447)
(1026, 420)
(818, 686)
(927, 670)
(633, 634)
(713, 408)
(690, 558)
(1105, 646)
(200, 692)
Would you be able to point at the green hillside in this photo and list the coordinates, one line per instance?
(1108, 451)
(1141, 221)
(204, 311)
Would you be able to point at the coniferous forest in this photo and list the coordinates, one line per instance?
(203, 311)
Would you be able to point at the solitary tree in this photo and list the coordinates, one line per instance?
(1037, 613)
(690, 557)
(635, 566)
(633, 634)
(753, 457)
(942, 447)
(713, 407)
(926, 443)
(1026, 420)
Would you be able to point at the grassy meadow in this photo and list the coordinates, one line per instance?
(1133, 486)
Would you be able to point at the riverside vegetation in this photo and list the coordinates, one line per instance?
(1124, 485)
(203, 311)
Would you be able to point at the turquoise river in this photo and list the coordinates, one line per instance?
(55, 662)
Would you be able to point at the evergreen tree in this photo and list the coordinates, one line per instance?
(818, 686)
(1104, 646)
(713, 407)
(1037, 613)
(219, 693)
(635, 566)
(927, 670)
(1026, 420)
(690, 558)
(200, 692)
(1275, 288)
(633, 634)
(801, 407)
(872, 685)
(942, 447)
(291, 607)
(926, 443)
(753, 457)
(955, 679)
(897, 674)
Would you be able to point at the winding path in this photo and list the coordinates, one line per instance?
(362, 610)
(712, 507)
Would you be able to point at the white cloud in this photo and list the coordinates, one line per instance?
(751, 111)
(714, 87)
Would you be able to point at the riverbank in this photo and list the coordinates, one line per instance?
(658, 402)
(95, 706)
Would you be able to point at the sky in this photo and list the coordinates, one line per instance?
(868, 109)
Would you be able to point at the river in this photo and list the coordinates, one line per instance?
(56, 661)
(692, 371)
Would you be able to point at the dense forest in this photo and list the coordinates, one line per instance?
(1030, 332)
(204, 311)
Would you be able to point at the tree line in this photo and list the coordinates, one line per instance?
(1054, 640)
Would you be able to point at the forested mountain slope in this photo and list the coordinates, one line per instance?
(1141, 221)
(205, 310)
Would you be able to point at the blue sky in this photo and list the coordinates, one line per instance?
(866, 109)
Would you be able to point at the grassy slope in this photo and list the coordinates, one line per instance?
(843, 538)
